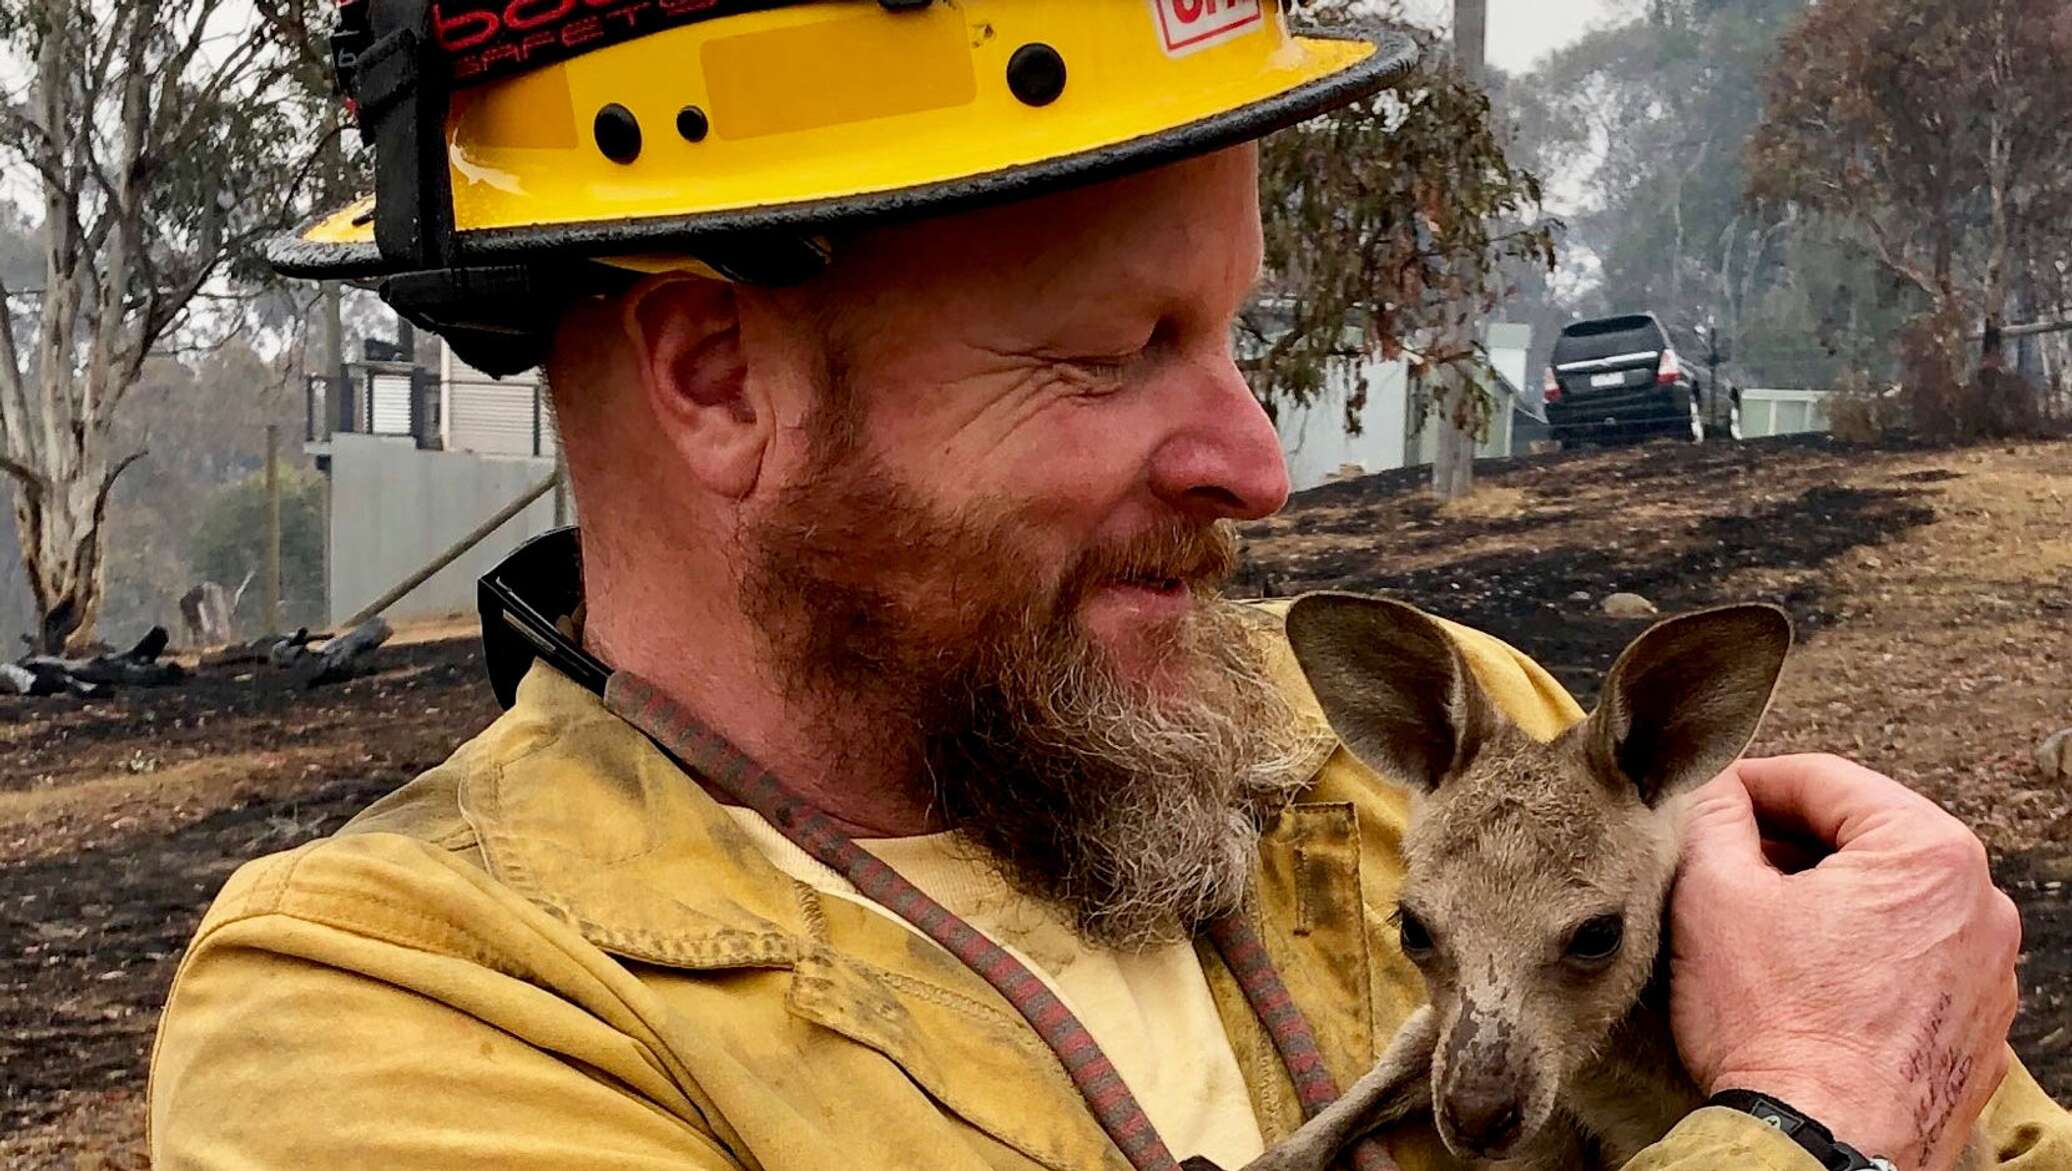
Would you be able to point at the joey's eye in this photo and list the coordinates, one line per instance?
(1416, 940)
(1597, 939)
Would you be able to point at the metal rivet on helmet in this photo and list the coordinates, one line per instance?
(618, 133)
(692, 123)
(1036, 74)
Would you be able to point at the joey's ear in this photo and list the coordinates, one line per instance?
(1393, 685)
(1686, 697)
(686, 337)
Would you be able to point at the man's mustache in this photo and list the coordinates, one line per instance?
(1199, 556)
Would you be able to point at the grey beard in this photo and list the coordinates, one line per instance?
(1139, 816)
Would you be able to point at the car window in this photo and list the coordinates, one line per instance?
(1601, 339)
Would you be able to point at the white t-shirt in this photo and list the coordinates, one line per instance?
(1151, 1011)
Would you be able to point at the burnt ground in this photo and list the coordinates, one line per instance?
(120, 819)
(1932, 591)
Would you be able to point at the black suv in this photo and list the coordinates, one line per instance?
(1620, 378)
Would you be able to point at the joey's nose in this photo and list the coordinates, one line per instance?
(1485, 1124)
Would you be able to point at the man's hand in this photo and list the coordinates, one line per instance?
(1872, 989)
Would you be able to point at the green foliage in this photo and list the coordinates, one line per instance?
(1388, 228)
(231, 542)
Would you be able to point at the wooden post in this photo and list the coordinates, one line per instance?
(338, 402)
(537, 395)
(273, 528)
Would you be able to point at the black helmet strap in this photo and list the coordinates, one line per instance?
(390, 65)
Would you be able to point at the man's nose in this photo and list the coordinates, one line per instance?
(1222, 459)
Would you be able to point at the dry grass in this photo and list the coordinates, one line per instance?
(38, 821)
(1489, 502)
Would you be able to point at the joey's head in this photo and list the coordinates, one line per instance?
(1536, 872)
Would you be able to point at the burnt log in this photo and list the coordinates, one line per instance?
(40, 675)
(274, 650)
(150, 647)
(340, 658)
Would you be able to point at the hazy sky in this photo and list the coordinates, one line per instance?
(1521, 30)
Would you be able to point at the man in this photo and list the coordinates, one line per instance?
(899, 794)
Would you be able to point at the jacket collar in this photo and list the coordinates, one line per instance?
(577, 811)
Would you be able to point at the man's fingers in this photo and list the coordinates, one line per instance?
(1720, 827)
(1793, 855)
(1831, 800)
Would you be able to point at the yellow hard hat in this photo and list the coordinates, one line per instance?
(525, 150)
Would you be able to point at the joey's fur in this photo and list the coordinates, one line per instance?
(1536, 878)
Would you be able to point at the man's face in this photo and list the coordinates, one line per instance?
(1063, 365)
(1003, 539)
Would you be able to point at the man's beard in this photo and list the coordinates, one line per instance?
(928, 639)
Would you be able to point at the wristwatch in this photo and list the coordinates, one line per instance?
(1799, 1127)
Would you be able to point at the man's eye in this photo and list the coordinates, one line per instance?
(1104, 372)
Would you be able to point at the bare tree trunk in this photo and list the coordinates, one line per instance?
(1453, 460)
(1999, 162)
(61, 536)
(1453, 457)
(116, 134)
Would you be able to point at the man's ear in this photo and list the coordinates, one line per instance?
(1393, 685)
(1686, 698)
(686, 337)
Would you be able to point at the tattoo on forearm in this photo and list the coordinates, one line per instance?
(1938, 1071)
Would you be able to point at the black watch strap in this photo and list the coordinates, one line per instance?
(1799, 1127)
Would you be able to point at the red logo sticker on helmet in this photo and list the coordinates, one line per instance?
(488, 39)
(1187, 25)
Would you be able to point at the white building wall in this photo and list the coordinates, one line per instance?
(1772, 411)
(394, 508)
(1314, 437)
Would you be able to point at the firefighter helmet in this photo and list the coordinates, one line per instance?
(526, 150)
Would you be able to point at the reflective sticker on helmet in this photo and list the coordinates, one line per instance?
(1187, 26)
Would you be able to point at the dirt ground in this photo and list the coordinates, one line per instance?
(1932, 592)
(118, 822)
